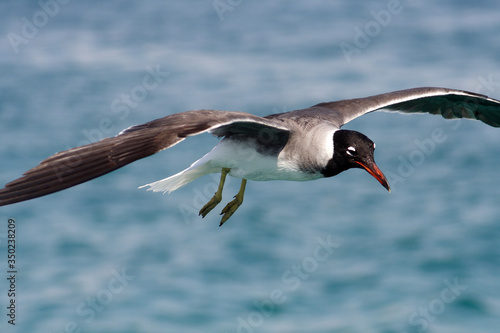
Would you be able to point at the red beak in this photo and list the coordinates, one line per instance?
(373, 170)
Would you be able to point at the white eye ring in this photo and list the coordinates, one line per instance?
(349, 149)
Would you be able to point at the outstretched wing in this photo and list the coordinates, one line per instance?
(448, 103)
(77, 165)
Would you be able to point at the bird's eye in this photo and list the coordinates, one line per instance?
(350, 150)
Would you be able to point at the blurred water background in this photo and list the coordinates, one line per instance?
(334, 255)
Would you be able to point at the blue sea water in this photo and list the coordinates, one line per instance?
(333, 255)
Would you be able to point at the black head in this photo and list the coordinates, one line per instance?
(352, 149)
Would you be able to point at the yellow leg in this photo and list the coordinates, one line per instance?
(231, 207)
(217, 196)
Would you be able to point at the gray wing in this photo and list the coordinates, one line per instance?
(448, 103)
(77, 165)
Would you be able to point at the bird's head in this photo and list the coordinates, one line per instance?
(352, 149)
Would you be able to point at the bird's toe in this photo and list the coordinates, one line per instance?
(209, 206)
(229, 210)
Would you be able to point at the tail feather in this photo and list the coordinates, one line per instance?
(178, 180)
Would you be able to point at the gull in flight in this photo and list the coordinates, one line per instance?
(300, 145)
